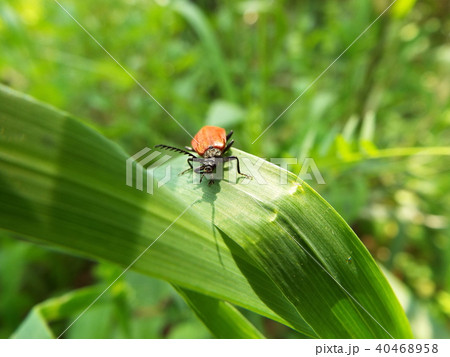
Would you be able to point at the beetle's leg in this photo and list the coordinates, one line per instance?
(229, 158)
(228, 146)
(182, 173)
(189, 161)
(188, 148)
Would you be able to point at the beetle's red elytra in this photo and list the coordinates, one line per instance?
(209, 136)
(210, 143)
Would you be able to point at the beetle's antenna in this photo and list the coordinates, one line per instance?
(171, 148)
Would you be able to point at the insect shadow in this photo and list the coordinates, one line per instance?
(210, 196)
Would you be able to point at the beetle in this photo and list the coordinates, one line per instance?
(210, 143)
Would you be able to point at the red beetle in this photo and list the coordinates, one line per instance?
(210, 143)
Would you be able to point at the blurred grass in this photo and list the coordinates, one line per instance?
(389, 92)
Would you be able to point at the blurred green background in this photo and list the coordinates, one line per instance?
(377, 124)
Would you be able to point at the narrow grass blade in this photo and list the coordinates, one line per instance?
(221, 318)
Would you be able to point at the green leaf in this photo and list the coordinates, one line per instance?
(349, 129)
(36, 324)
(303, 245)
(222, 319)
(278, 250)
(367, 134)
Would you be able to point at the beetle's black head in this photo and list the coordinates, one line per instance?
(207, 167)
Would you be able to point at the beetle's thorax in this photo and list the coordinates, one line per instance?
(212, 152)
